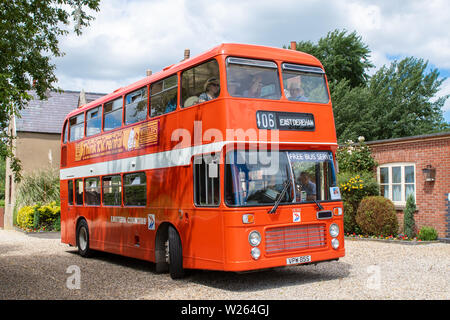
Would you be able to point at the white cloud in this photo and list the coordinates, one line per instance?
(130, 36)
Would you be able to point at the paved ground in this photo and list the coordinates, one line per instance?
(37, 268)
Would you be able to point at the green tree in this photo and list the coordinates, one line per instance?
(29, 38)
(344, 57)
(409, 223)
(398, 101)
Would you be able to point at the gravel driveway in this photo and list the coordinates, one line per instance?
(33, 267)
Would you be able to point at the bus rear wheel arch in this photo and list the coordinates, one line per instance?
(169, 251)
(82, 238)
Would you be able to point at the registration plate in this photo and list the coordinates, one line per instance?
(297, 260)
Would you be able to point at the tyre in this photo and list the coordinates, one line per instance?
(83, 239)
(175, 255)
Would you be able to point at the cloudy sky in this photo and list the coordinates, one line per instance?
(130, 36)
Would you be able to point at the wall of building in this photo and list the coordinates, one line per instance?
(35, 151)
(431, 197)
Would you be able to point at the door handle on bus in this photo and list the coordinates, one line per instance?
(185, 215)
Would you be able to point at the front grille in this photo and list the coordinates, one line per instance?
(289, 238)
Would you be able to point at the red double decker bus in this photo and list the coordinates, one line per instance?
(224, 161)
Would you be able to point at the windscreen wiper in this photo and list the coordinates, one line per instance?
(318, 204)
(281, 196)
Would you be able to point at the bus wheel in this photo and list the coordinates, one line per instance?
(175, 254)
(83, 239)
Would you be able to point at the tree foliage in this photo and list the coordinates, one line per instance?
(29, 38)
(399, 100)
(344, 56)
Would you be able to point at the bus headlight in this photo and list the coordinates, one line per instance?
(335, 243)
(256, 253)
(334, 230)
(254, 238)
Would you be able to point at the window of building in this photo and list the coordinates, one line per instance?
(93, 121)
(163, 98)
(206, 181)
(135, 189)
(112, 190)
(76, 127)
(200, 84)
(92, 189)
(70, 191)
(113, 114)
(79, 192)
(136, 106)
(397, 181)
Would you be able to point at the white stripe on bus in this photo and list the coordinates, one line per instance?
(159, 160)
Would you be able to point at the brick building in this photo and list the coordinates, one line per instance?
(418, 165)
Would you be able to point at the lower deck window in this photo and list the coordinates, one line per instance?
(79, 192)
(92, 189)
(112, 191)
(70, 191)
(135, 189)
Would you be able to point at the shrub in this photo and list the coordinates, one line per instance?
(428, 234)
(2, 203)
(41, 186)
(25, 216)
(355, 187)
(355, 157)
(48, 214)
(408, 220)
(376, 216)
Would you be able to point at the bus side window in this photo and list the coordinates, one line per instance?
(76, 127)
(92, 190)
(206, 181)
(79, 192)
(70, 191)
(135, 189)
(93, 121)
(194, 82)
(65, 133)
(163, 98)
(112, 190)
(113, 114)
(136, 106)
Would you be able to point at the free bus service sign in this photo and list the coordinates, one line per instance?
(128, 139)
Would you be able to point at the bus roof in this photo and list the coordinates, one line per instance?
(228, 49)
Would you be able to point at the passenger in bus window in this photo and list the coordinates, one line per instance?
(306, 188)
(211, 88)
(233, 88)
(296, 92)
(255, 87)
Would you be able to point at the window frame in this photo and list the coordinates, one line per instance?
(113, 110)
(217, 159)
(100, 115)
(125, 205)
(147, 89)
(182, 101)
(403, 183)
(99, 191)
(83, 123)
(103, 192)
(162, 91)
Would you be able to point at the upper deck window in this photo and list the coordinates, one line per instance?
(200, 84)
(77, 127)
(65, 133)
(136, 106)
(93, 121)
(113, 114)
(304, 83)
(250, 78)
(163, 98)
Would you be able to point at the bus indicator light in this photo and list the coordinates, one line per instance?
(248, 218)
